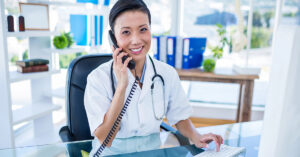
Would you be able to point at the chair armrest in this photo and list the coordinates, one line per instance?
(65, 134)
(181, 139)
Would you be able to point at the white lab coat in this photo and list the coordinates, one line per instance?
(139, 119)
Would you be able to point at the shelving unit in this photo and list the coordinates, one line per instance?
(33, 111)
(16, 76)
(39, 112)
(27, 34)
(67, 50)
(58, 93)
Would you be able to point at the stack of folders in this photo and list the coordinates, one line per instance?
(32, 65)
(181, 53)
(87, 29)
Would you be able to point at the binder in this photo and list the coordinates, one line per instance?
(171, 50)
(106, 2)
(80, 28)
(178, 56)
(155, 47)
(159, 48)
(87, 29)
(87, 1)
(98, 30)
(193, 49)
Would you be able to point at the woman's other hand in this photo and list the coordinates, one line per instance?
(120, 69)
(202, 141)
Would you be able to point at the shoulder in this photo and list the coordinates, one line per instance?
(101, 72)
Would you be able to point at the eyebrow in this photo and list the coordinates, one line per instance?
(139, 26)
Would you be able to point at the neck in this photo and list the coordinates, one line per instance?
(139, 66)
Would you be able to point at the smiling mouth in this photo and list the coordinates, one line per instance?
(137, 51)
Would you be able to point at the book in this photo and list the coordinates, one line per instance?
(32, 62)
(36, 68)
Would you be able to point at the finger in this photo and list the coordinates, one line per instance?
(127, 61)
(115, 54)
(201, 145)
(207, 138)
(120, 56)
(220, 139)
(217, 143)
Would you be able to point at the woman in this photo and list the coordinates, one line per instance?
(130, 22)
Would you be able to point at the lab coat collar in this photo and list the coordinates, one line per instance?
(149, 73)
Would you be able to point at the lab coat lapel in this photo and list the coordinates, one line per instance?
(147, 78)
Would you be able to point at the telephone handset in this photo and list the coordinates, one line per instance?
(112, 38)
(131, 65)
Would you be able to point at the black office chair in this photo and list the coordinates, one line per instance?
(77, 128)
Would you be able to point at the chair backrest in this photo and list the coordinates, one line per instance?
(76, 82)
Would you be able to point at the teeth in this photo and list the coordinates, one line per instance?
(136, 49)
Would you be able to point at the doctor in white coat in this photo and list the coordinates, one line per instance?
(130, 21)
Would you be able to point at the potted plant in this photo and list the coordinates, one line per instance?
(210, 63)
(62, 41)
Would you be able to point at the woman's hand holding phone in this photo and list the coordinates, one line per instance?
(120, 69)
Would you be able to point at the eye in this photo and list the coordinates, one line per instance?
(144, 29)
(125, 32)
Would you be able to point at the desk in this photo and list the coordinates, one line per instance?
(246, 83)
(246, 134)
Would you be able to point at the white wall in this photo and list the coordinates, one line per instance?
(281, 129)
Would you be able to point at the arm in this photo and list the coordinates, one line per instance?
(111, 116)
(187, 129)
(118, 100)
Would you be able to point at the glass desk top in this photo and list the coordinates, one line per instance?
(245, 134)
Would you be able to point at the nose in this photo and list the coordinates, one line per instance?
(135, 39)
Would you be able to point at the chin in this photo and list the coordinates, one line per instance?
(138, 57)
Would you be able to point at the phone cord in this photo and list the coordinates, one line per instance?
(117, 122)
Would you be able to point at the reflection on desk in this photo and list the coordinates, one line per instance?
(245, 134)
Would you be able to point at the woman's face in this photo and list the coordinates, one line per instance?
(132, 31)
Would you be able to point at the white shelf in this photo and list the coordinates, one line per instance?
(67, 50)
(17, 76)
(59, 93)
(32, 34)
(68, 4)
(30, 112)
(74, 8)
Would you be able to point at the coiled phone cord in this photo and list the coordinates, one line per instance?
(120, 116)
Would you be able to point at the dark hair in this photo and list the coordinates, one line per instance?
(127, 5)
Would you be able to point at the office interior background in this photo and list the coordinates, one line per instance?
(33, 105)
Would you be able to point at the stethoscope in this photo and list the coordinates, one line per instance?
(152, 89)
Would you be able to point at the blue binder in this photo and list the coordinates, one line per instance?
(193, 49)
(98, 27)
(171, 50)
(87, 1)
(156, 47)
(106, 2)
(80, 28)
